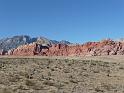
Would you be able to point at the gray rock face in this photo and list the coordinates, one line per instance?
(9, 43)
(15, 41)
(60, 42)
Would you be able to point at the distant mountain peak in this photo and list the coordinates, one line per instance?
(15, 41)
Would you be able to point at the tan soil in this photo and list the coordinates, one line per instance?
(103, 74)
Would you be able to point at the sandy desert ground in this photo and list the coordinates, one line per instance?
(103, 74)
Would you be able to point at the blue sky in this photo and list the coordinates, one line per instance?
(74, 20)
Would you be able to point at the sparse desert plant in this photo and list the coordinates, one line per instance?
(49, 83)
(99, 90)
(30, 82)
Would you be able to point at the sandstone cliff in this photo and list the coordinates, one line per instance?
(105, 47)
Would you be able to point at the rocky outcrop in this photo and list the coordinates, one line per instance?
(105, 47)
(28, 50)
(25, 50)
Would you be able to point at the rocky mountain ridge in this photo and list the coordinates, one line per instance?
(27, 46)
(104, 47)
(15, 41)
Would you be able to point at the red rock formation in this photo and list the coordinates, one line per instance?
(105, 47)
(26, 50)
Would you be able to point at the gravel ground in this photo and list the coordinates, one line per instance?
(61, 75)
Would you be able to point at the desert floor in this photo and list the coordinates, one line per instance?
(102, 74)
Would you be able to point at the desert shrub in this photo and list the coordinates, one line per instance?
(97, 89)
(49, 83)
(29, 82)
